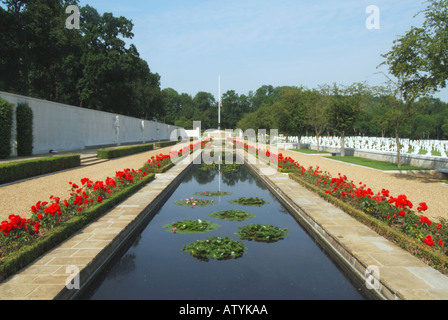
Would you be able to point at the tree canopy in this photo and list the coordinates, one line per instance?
(91, 67)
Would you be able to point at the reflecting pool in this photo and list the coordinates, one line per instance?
(155, 267)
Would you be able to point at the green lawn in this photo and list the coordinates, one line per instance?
(424, 152)
(375, 164)
(309, 151)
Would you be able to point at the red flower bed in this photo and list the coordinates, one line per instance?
(50, 214)
(394, 211)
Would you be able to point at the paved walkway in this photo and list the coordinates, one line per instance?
(401, 275)
(80, 258)
(397, 273)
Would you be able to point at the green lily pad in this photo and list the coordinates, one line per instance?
(191, 226)
(192, 202)
(257, 202)
(218, 248)
(262, 233)
(232, 215)
(212, 194)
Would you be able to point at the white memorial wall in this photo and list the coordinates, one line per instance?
(63, 127)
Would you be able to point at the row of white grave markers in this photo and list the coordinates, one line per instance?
(415, 147)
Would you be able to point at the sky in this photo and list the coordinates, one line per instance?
(192, 44)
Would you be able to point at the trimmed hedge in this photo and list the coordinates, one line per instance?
(164, 144)
(24, 121)
(124, 151)
(16, 261)
(434, 259)
(5, 128)
(18, 170)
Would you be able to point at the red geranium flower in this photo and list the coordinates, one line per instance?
(428, 240)
(423, 207)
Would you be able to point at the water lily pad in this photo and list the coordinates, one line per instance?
(191, 226)
(218, 248)
(212, 194)
(192, 202)
(257, 202)
(262, 233)
(232, 215)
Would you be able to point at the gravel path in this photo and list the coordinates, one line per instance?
(18, 198)
(418, 187)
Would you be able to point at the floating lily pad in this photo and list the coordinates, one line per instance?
(191, 226)
(232, 215)
(212, 194)
(249, 202)
(192, 202)
(261, 233)
(218, 248)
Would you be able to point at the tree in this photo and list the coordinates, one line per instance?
(291, 111)
(317, 102)
(344, 109)
(262, 96)
(399, 112)
(234, 108)
(419, 59)
(91, 67)
(34, 42)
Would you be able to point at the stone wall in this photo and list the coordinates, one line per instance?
(63, 127)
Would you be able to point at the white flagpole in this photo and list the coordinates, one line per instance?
(219, 105)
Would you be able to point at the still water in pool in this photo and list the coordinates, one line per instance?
(155, 267)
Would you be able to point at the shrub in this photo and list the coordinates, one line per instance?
(164, 144)
(14, 171)
(24, 130)
(124, 151)
(5, 128)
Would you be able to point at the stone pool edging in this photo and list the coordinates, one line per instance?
(402, 276)
(87, 252)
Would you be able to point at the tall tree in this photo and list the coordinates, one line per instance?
(344, 109)
(419, 59)
(317, 102)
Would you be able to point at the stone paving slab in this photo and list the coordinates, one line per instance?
(401, 275)
(86, 251)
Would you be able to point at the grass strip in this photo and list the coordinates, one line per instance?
(376, 164)
(309, 151)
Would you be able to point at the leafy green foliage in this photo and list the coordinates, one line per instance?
(5, 128)
(212, 194)
(191, 226)
(123, 151)
(226, 167)
(24, 129)
(192, 202)
(261, 233)
(92, 67)
(218, 248)
(18, 170)
(232, 215)
(257, 202)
